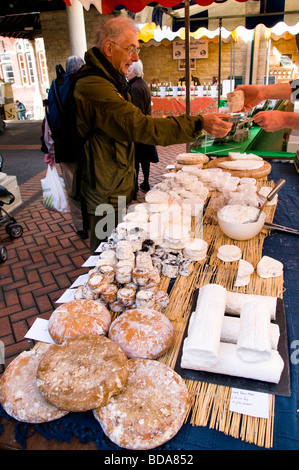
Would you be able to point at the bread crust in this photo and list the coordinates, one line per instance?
(82, 373)
(149, 411)
(142, 333)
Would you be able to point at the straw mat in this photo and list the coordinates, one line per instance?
(209, 403)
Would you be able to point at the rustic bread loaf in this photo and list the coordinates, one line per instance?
(19, 394)
(82, 373)
(78, 318)
(149, 411)
(142, 333)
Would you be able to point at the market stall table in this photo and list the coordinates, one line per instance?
(281, 246)
(174, 106)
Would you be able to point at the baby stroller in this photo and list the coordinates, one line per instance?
(13, 229)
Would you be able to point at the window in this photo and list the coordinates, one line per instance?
(43, 68)
(8, 73)
(23, 70)
(30, 68)
(7, 69)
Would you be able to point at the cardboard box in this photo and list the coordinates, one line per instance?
(10, 111)
(6, 94)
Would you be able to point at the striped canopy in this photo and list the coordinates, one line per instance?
(205, 13)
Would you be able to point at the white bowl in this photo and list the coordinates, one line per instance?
(231, 221)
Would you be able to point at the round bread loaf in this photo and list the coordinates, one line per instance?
(149, 411)
(192, 158)
(19, 394)
(78, 318)
(142, 333)
(82, 373)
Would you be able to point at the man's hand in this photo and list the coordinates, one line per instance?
(216, 124)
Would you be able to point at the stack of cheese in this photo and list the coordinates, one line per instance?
(244, 345)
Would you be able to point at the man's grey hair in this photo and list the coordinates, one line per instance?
(111, 28)
(137, 68)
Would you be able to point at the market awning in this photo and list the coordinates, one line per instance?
(206, 13)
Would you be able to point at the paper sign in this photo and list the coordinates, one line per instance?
(67, 296)
(91, 261)
(39, 331)
(249, 403)
(80, 281)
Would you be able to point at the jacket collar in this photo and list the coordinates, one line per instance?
(121, 81)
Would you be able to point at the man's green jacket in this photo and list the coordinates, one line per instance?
(104, 102)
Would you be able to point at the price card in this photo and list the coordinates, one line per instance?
(250, 403)
(39, 331)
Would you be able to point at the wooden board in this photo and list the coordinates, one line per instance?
(259, 173)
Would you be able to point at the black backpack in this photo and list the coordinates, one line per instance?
(61, 115)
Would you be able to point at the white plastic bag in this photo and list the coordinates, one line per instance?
(53, 191)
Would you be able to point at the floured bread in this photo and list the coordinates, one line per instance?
(191, 158)
(82, 373)
(229, 253)
(241, 165)
(235, 101)
(78, 318)
(142, 333)
(269, 267)
(19, 394)
(149, 411)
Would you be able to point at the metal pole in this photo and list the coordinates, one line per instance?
(219, 64)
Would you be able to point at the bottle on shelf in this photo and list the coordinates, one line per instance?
(166, 89)
(170, 89)
(204, 89)
(192, 89)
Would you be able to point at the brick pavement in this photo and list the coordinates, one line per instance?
(45, 261)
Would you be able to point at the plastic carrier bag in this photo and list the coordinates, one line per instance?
(54, 197)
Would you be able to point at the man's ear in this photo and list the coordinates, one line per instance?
(107, 49)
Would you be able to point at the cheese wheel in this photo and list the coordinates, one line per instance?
(78, 318)
(241, 165)
(229, 253)
(82, 373)
(142, 332)
(19, 395)
(149, 411)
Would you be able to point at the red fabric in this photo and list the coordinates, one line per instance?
(137, 5)
(174, 106)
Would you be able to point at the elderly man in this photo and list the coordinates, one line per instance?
(274, 120)
(104, 102)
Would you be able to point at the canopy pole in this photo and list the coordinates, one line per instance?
(187, 63)
(219, 64)
(76, 25)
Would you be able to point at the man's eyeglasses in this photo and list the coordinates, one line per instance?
(130, 50)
